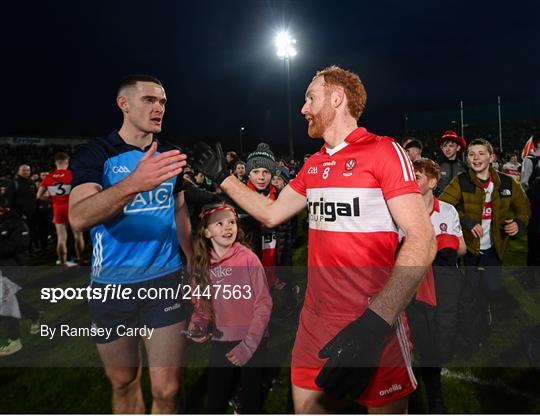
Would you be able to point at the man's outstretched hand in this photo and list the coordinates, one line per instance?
(353, 356)
(153, 169)
(209, 161)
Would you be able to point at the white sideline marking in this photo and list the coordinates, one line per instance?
(486, 383)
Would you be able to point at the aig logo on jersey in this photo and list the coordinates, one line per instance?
(158, 198)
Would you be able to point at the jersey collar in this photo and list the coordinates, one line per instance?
(117, 140)
(353, 137)
(436, 206)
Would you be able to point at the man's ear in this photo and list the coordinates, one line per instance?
(432, 183)
(122, 103)
(338, 97)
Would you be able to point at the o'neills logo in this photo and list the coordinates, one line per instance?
(173, 307)
(395, 387)
(329, 211)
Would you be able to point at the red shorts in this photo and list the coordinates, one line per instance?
(393, 379)
(60, 213)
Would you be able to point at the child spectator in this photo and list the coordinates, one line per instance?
(238, 324)
(492, 207)
(240, 171)
(433, 314)
(452, 146)
(511, 167)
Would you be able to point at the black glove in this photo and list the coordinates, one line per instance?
(446, 257)
(209, 161)
(353, 355)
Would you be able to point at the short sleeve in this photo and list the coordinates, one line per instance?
(456, 226)
(393, 169)
(46, 181)
(299, 183)
(87, 165)
(179, 183)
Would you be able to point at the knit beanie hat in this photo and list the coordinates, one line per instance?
(262, 157)
(283, 173)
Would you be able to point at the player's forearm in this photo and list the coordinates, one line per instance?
(183, 231)
(100, 207)
(414, 258)
(256, 205)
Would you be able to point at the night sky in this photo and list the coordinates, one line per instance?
(61, 61)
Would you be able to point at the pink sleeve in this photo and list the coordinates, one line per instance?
(393, 169)
(262, 309)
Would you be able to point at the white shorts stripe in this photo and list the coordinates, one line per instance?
(98, 255)
(405, 350)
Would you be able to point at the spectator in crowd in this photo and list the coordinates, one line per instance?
(281, 178)
(414, 149)
(240, 171)
(530, 170)
(56, 187)
(433, 312)
(492, 207)
(294, 165)
(231, 158)
(14, 255)
(451, 145)
(496, 164)
(21, 194)
(511, 168)
(44, 219)
(21, 197)
(260, 168)
(196, 198)
(530, 180)
(4, 183)
(202, 181)
(239, 326)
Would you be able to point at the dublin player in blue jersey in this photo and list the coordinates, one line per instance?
(126, 191)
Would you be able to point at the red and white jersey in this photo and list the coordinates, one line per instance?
(58, 184)
(487, 214)
(512, 169)
(445, 220)
(352, 236)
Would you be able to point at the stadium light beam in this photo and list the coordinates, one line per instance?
(286, 49)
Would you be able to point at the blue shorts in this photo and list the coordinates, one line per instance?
(138, 311)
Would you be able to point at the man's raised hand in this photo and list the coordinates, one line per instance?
(155, 169)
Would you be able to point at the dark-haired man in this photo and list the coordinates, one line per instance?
(125, 189)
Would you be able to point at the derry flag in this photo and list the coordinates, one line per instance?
(528, 148)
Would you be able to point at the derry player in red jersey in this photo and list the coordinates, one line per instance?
(358, 188)
(432, 316)
(57, 186)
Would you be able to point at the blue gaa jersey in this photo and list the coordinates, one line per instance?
(141, 242)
